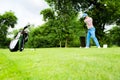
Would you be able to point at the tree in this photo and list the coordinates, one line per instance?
(64, 18)
(52, 23)
(114, 35)
(8, 19)
(42, 36)
(47, 14)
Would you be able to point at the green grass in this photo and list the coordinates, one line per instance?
(60, 64)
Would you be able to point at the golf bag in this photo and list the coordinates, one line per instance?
(18, 42)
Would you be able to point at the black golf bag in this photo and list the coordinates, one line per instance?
(18, 42)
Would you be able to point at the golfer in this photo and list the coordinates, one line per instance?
(91, 31)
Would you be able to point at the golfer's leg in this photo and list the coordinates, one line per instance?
(94, 38)
(88, 39)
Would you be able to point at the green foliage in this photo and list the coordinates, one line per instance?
(47, 14)
(43, 36)
(106, 40)
(50, 35)
(8, 19)
(65, 21)
(115, 35)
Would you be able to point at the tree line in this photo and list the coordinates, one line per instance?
(64, 29)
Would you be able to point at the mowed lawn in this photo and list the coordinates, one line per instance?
(60, 64)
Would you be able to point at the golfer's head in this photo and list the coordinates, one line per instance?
(84, 15)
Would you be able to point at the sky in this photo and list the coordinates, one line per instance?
(27, 11)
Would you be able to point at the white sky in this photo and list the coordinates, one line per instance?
(27, 11)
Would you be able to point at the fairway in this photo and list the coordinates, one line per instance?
(60, 64)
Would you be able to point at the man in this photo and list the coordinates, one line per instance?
(91, 30)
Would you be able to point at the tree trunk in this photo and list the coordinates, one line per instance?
(60, 44)
(66, 43)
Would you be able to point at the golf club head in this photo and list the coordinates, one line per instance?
(26, 26)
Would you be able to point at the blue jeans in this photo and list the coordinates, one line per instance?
(91, 33)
